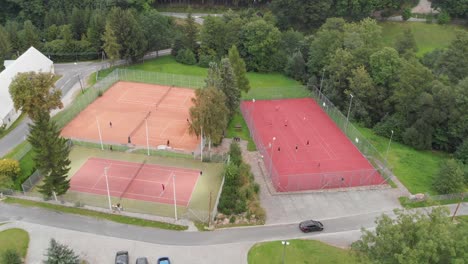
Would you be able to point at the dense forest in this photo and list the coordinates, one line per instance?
(423, 100)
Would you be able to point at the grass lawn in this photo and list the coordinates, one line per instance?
(27, 168)
(404, 201)
(415, 169)
(99, 215)
(15, 238)
(428, 36)
(243, 133)
(299, 251)
(4, 132)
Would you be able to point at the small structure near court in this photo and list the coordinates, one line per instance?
(31, 60)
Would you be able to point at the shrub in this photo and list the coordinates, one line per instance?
(406, 14)
(443, 18)
(462, 152)
(256, 187)
(11, 256)
(205, 57)
(450, 178)
(60, 254)
(235, 153)
(186, 56)
(232, 220)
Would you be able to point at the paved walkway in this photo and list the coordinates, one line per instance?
(101, 249)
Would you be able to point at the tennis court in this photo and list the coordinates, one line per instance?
(139, 114)
(303, 149)
(138, 181)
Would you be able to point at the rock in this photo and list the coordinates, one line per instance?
(226, 221)
(220, 216)
(417, 197)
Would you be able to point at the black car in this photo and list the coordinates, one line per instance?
(142, 260)
(121, 257)
(310, 225)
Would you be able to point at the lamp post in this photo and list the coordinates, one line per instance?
(388, 147)
(349, 110)
(285, 243)
(272, 152)
(107, 186)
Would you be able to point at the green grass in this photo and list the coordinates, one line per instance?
(14, 238)
(20, 148)
(27, 166)
(404, 201)
(299, 251)
(462, 218)
(427, 36)
(415, 169)
(4, 132)
(243, 133)
(99, 215)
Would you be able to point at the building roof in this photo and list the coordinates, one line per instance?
(31, 60)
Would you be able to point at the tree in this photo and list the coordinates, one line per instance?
(300, 14)
(10, 256)
(29, 36)
(385, 65)
(296, 67)
(414, 237)
(96, 29)
(186, 56)
(405, 42)
(213, 35)
(453, 62)
(455, 8)
(157, 30)
(60, 254)
(110, 46)
(450, 178)
(9, 171)
(260, 42)
(128, 32)
(209, 114)
(51, 156)
(190, 33)
(362, 87)
(5, 45)
(79, 22)
(229, 86)
(33, 94)
(238, 67)
(462, 152)
(406, 14)
(213, 79)
(443, 18)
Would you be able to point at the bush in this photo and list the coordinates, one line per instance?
(450, 178)
(443, 18)
(462, 152)
(406, 14)
(256, 187)
(205, 57)
(232, 220)
(235, 153)
(186, 56)
(11, 256)
(60, 254)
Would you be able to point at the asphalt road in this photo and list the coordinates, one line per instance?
(41, 216)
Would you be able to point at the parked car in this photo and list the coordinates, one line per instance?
(142, 260)
(164, 260)
(310, 225)
(121, 257)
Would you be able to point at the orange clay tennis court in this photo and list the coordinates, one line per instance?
(121, 112)
(138, 181)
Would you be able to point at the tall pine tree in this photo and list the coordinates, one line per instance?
(238, 66)
(190, 33)
(229, 86)
(51, 155)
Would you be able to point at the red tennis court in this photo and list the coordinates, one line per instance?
(308, 150)
(138, 181)
(127, 108)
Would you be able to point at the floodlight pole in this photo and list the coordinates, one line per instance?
(321, 82)
(147, 136)
(388, 147)
(201, 144)
(175, 198)
(107, 186)
(100, 135)
(272, 152)
(349, 110)
(285, 243)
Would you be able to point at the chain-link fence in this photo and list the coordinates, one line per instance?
(317, 181)
(161, 78)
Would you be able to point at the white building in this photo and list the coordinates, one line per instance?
(31, 60)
